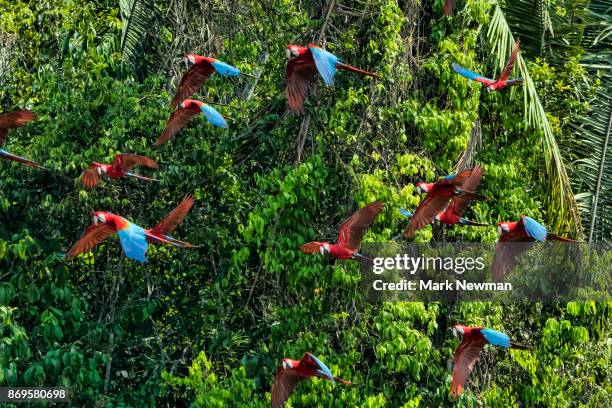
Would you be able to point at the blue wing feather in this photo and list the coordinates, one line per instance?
(450, 176)
(326, 64)
(534, 229)
(323, 369)
(134, 242)
(214, 116)
(405, 212)
(469, 74)
(225, 69)
(496, 338)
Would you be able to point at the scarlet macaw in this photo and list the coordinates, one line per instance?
(133, 238)
(188, 109)
(491, 84)
(516, 238)
(351, 232)
(291, 372)
(466, 355)
(304, 62)
(121, 166)
(201, 69)
(14, 120)
(439, 195)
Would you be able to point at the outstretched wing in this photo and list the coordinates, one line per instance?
(354, 228)
(214, 117)
(126, 161)
(426, 212)
(471, 74)
(510, 64)
(92, 236)
(459, 203)
(174, 217)
(13, 157)
(90, 176)
(298, 77)
(14, 120)
(325, 62)
(177, 121)
(284, 383)
(311, 248)
(225, 69)
(192, 81)
(534, 229)
(466, 357)
(504, 259)
(496, 338)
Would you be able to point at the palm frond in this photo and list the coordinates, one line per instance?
(136, 16)
(561, 205)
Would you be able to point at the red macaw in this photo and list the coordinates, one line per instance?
(188, 109)
(291, 372)
(14, 120)
(439, 195)
(121, 166)
(466, 355)
(201, 69)
(351, 232)
(448, 7)
(491, 84)
(304, 62)
(160, 232)
(516, 238)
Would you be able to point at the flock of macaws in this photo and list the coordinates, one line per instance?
(446, 200)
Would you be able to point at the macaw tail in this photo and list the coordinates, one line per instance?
(473, 223)
(167, 239)
(342, 381)
(470, 195)
(140, 177)
(519, 346)
(359, 256)
(448, 8)
(351, 68)
(553, 237)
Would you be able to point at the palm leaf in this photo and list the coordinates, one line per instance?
(136, 16)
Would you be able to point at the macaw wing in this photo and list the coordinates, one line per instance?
(310, 248)
(325, 62)
(313, 362)
(426, 212)
(90, 177)
(456, 179)
(496, 338)
(459, 203)
(214, 117)
(133, 239)
(466, 357)
(14, 120)
(174, 217)
(534, 229)
(93, 235)
(191, 81)
(504, 258)
(510, 64)
(298, 78)
(284, 383)
(471, 74)
(178, 119)
(405, 213)
(225, 69)
(19, 159)
(127, 161)
(354, 228)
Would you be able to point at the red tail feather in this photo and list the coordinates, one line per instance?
(355, 69)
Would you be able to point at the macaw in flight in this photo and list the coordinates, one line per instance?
(494, 84)
(291, 372)
(201, 69)
(440, 194)
(14, 120)
(448, 7)
(133, 238)
(453, 214)
(516, 238)
(304, 62)
(188, 109)
(121, 166)
(352, 231)
(466, 355)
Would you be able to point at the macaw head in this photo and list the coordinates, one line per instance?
(99, 217)
(490, 88)
(503, 228)
(292, 51)
(190, 59)
(100, 168)
(324, 248)
(458, 329)
(287, 364)
(422, 187)
(439, 216)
